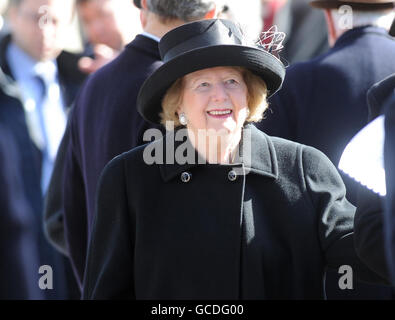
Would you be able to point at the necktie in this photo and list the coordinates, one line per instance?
(52, 121)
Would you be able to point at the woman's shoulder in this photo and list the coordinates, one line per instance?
(290, 151)
(134, 157)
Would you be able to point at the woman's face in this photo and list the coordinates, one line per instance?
(216, 99)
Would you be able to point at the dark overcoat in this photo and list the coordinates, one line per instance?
(13, 118)
(323, 101)
(19, 255)
(103, 124)
(268, 233)
(389, 160)
(374, 225)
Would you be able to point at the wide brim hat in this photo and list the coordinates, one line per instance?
(200, 45)
(363, 5)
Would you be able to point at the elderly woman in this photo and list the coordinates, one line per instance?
(248, 216)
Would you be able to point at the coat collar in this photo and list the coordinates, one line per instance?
(352, 34)
(145, 44)
(262, 160)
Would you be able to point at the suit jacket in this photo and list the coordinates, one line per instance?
(13, 118)
(269, 233)
(103, 124)
(323, 101)
(19, 254)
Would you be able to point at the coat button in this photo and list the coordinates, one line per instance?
(232, 175)
(186, 177)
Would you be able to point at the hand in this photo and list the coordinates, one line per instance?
(103, 55)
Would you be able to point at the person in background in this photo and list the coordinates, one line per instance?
(38, 84)
(323, 101)
(108, 26)
(105, 123)
(329, 106)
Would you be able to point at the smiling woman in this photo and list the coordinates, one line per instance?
(217, 101)
(264, 224)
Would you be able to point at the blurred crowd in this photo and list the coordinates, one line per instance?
(67, 107)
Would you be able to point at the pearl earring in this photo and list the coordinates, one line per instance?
(183, 119)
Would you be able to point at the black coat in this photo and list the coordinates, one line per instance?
(375, 222)
(269, 234)
(389, 160)
(323, 101)
(103, 124)
(13, 119)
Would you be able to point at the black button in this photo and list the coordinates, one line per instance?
(232, 175)
(186, 177)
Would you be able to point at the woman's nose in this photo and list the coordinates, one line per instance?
(219, 92)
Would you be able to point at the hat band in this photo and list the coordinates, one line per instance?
(212, 38)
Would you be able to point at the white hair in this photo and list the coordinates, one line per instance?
(345, 18)
(185, 10)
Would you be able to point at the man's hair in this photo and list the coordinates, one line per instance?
(185, 10)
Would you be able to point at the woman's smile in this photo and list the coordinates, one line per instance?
(220, 113)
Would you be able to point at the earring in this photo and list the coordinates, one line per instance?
(183, 119)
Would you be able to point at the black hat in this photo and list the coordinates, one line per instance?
(137, 3)
(356, 4)
(200, 45)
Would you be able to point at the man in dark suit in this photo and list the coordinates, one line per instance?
(38, 83)
(323, 101)
(105, 122)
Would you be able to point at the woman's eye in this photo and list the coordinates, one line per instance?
(231, 81)
(204, 85)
